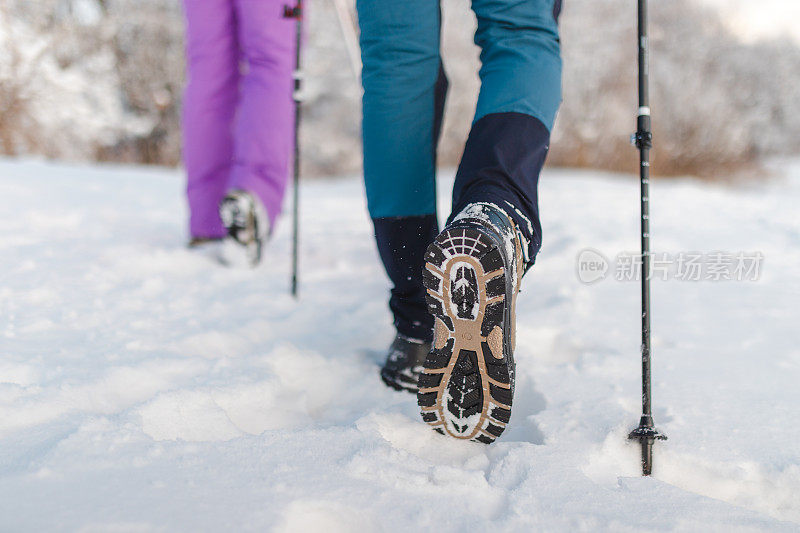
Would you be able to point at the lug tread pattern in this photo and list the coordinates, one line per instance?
(465, 391)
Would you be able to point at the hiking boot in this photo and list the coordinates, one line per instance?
(472, 275)
(246, 221)
(404, 363)
(200, 242)
(210, 247)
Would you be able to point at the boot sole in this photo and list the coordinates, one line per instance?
(466, 387)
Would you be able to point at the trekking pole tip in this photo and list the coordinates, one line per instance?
(646, 434)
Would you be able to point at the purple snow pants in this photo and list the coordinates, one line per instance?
(238, 113)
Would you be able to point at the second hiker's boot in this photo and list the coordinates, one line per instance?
(246, 221)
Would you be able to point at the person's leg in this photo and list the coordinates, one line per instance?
(401, 245)
(519, 98)
(264, 132)
(208, 109)
(474, 267)
(404, 93)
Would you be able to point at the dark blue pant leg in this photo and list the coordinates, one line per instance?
(403, 103)
(401, 245)
(519, 98)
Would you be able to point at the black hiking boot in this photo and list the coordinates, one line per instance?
(404, 363)
(247, 224)
(472, 275)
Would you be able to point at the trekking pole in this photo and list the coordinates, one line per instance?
(646, 433)
(296, 12)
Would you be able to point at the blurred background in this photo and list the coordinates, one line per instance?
(101, 80)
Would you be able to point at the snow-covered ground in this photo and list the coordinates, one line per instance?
(143, 387)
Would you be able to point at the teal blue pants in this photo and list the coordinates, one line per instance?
(403, 104)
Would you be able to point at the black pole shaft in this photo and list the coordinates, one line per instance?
(646, 432)
(644, 134)
(296, 12)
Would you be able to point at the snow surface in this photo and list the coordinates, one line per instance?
(143, 387)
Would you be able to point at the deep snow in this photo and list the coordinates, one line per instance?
(143, 387)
